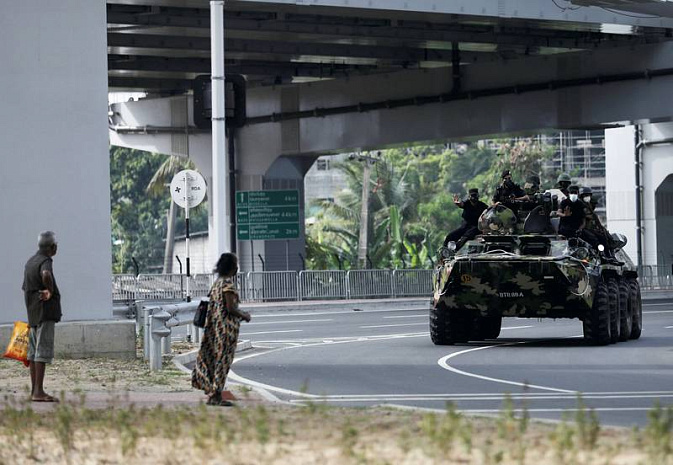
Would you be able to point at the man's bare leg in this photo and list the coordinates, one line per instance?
(38, 393)
(32, 378)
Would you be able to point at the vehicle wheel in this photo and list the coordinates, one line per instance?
(597, 320)
(615, 307)
(486, 327)
(637, 306)
(625, 311)
(449, 325)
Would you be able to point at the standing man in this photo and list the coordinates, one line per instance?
(472, 209)
(43, 303)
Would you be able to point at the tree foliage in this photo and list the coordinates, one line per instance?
(411, 208)
(140, 201)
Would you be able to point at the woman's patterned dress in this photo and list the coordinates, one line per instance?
(218, 345)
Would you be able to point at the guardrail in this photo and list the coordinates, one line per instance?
(272, 286)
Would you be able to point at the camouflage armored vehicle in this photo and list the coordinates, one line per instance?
(525, 269)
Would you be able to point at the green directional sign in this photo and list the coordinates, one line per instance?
(267, 215)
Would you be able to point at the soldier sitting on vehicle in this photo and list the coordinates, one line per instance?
(530, 200)
(563, 182)
(472, 209)
(593, 224)
(573, 216)
(508, 192)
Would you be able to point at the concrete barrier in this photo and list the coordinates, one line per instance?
(84, 339)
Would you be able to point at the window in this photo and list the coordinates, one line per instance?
(323, 165)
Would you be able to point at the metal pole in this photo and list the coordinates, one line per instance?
(639, 196)
(221, 242)
(252, 255)
(187, 186)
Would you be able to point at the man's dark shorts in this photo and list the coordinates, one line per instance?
(41, 342)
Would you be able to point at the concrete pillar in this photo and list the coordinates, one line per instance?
(54, 151)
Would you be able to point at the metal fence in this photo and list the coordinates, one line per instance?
(271, 286)
(655, 277)
(323, 285)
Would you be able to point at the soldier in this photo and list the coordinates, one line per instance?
(508, 192)
(531, 188)
(573, 217)
(592, 223)
(472, 209)
(563, 182)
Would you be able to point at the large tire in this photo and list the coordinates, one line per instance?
(597, 320)
(637, 305)
(626, 311)
(615, 307)
(486, 327)
(448, 325)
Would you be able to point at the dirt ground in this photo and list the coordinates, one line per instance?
(117, 412)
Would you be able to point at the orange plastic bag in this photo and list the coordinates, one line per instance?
(18, 343)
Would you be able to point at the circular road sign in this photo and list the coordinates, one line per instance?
(196, 188)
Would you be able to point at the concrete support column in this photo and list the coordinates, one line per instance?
(54, 151)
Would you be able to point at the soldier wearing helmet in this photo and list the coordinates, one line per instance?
(563, 182)
(592, 223)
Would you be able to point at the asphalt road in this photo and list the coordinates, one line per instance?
(386, 357)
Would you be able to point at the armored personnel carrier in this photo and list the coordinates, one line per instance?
(525, 269)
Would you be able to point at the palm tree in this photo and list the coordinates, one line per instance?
(156, 187)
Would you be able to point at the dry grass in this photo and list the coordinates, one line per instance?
(254, 433)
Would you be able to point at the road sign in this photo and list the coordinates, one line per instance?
(195, 185)
(267, 215)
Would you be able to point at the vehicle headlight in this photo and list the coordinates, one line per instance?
(581, 253)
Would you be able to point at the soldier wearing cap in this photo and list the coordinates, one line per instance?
(508, 192)
(472, 210)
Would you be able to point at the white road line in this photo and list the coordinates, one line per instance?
(668, 327)
(659, 311)
(286, 322)
(516, 327)
(240, 379)
(273, 332)
(339, 312)
(443, 362)
(560, 410)
(656, 305)
(425, 323)
(495, 397)
(405, 316)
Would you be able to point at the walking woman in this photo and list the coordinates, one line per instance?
(220, 334)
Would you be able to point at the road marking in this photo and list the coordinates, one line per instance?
(273, 332)
(443, 362)
(286, 322)
(240, 379)
(657, 305)
(516, 327)
(482, 397)
(668, 327)
(560, 410)
(405, 316)
(338, 312)
(659, 311)
(425, 323)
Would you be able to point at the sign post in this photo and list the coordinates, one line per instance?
(268, 216)
(188, 189)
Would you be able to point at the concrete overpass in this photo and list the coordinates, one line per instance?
(322, 76)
